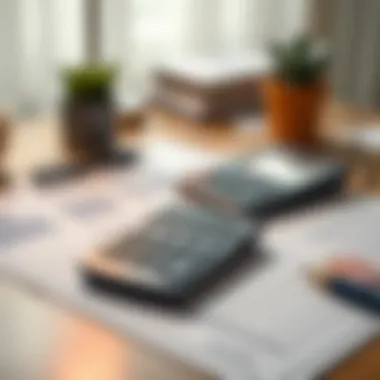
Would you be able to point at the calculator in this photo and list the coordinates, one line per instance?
(268, 182)
(174, 258)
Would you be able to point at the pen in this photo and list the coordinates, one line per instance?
(357, 285)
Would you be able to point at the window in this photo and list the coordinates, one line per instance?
(41, 36)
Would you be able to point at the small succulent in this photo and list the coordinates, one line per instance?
(299, 62)
(89, 81)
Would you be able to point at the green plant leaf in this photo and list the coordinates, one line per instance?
(297, 62)
(88, 80)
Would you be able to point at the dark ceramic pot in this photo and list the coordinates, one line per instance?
(89, 128)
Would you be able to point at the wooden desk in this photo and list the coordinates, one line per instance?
(36, 142)
(364, 365)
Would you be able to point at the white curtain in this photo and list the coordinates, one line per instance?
(166, 29)
(10, 52)
(41, 36)
(356, 58)
(37, 39)
(252, 24)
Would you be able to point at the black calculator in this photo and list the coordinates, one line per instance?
(271, 181)
(175, 257)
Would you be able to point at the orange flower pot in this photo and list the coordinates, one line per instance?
(293, 111)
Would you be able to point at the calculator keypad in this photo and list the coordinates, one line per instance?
(181, 244)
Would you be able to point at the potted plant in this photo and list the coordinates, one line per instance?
(89, 112)
(294, 93)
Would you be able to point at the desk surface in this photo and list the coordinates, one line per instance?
(195, 330)
(48, 343)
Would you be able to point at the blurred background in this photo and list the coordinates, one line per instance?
(41, 36)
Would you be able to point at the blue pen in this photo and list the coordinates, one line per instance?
(366, 296)
(362, 294)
